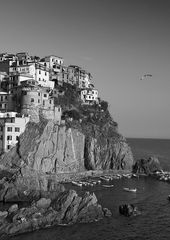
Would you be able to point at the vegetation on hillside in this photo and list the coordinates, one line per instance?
(88, 118)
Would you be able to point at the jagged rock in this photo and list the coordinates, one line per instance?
(67, 208)
(129, 210)
(147, 166)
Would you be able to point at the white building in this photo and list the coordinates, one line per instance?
(89, 96)
(35, 71)
(54, 62)
(11, 126)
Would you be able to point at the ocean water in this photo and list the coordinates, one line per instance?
(150, 198)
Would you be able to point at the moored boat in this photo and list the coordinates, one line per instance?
(130, 189)
(108, 186)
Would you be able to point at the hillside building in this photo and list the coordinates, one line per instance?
(11, 126)
(78, 76)
(6, 102)
(89, 96)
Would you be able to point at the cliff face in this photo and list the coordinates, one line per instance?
(50, 148)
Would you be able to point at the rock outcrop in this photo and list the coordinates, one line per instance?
(147, 166)
(129, 210)
(66, 208)
(49, 148)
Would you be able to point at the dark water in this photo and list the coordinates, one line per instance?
(150, 198)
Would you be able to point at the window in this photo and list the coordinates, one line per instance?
(1, 129)
(39, 71)
(1, 137)
(12, 120)
(50, 101)
(17, 138)
(39, 79)
(45, 74)
(8, 146)
(9, 137)
(38, 94)
(9, 129)
(43, 102)
(45, 95)
(17, 129)
(32, 99)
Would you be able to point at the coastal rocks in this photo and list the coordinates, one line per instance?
(129, 210)
(67, 208)
(147, 166)
(29, 186)
(13, 208)
(49, 148)
(107, 212)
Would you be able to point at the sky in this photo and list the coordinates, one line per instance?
(117, 41)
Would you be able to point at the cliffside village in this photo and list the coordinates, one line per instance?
(28, 86)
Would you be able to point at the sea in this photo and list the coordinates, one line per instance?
(150, 198)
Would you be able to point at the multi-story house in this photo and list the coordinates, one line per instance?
(78, 76)
(23, 58)
(6, 60)
(3, 79)
(54, 62)
(32, 70)
(6, 102)
(12, 125)
(89, 96)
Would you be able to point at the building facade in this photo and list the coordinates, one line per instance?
(11, 126)
(89, 96)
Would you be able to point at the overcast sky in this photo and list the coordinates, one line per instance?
(116, 40)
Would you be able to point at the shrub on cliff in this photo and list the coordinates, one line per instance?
(69, 97)
(104, 105)
(72, 114)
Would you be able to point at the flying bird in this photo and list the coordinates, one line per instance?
(145, 76)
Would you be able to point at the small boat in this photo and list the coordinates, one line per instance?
(130, 189)
(105, 178)
(77, 184)
(108, 186)
(127, 175)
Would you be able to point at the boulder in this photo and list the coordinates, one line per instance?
(107, 212)
(13, 208)
(43, 203)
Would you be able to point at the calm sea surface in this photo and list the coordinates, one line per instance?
(150, 198)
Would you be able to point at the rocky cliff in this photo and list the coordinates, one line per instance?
(50, 148)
